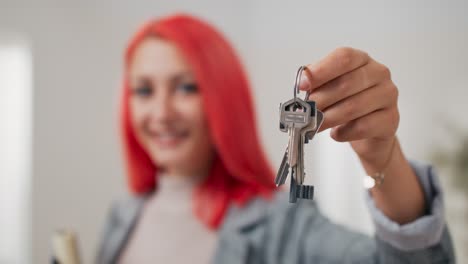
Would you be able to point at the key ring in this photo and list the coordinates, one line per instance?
(296, 84)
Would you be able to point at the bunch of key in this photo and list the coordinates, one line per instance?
(301, 120)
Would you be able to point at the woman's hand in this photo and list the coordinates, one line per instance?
(359, 102)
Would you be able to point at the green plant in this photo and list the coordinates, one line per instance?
(455, 159)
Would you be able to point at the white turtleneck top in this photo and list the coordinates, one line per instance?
(167, 230)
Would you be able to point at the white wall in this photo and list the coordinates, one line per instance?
(77, 50)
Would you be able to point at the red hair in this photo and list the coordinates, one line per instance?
(240, 170)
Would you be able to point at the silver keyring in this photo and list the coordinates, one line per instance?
(296, 85)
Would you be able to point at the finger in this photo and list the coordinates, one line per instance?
(377, 97)
(349, 84)
(379, 124)
(339, 62)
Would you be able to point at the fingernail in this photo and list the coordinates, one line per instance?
(304, 83)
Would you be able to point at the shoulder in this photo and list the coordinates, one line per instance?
(119, 223)
(123, 212)
(126, 208)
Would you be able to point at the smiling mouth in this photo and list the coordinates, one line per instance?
(169, 139)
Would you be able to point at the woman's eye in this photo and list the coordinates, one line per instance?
(143, 91)
(187, 88)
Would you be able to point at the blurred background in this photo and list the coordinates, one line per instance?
(60, 74)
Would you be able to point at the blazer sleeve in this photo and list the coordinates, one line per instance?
(425, 240)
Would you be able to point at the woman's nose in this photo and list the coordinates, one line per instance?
(162, 108)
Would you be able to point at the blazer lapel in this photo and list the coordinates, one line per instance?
(123, 219)
(233, 244)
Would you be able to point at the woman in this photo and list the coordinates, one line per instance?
(203, 190)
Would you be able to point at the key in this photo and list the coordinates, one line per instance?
(307, 133)
(300, 191)
(283, 170)
(307, 136)
(287, 120)
(300, 174)
(294, 115)
(299, 169)
(284, 167)
(310, 134)
(297, 189)
(288, 116)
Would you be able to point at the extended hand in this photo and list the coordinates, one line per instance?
(359, 101)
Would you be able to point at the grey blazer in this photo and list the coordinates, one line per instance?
(280, 232)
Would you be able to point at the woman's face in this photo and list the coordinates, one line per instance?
(166, 109)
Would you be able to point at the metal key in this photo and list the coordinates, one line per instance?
(310, 134)
(307, 134)
(299, 175)
(283, 170)
(299, 169)
(295, 114)
(292, 122)
(298, 190)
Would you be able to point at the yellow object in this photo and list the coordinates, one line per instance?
(65, 247)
